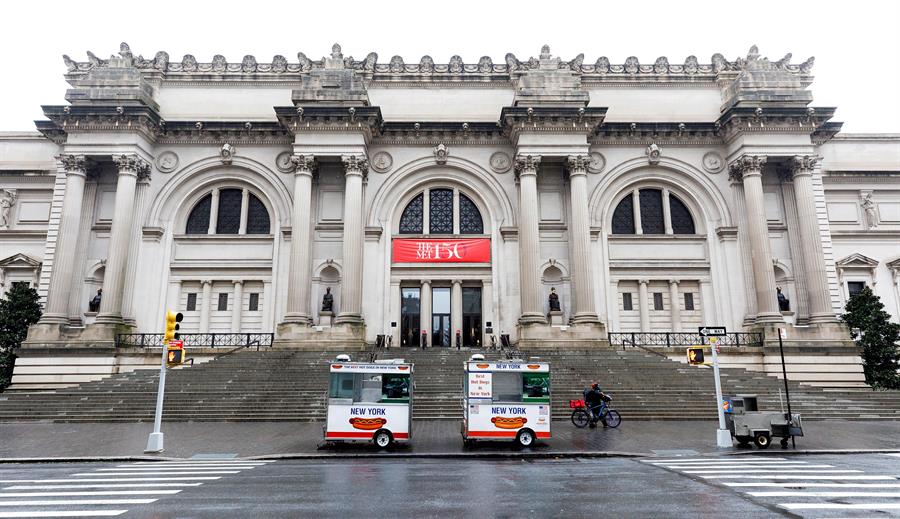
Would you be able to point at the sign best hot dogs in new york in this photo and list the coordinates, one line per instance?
(413, 250)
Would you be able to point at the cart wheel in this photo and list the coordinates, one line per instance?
(784, 442)
(525, 438)
(383, 439)
(761, 439)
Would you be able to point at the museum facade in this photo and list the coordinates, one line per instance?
(436, 203)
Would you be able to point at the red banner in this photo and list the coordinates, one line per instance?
(414, 250)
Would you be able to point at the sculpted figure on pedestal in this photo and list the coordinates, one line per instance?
(7, 200)
(328, 301)
(554, 301)
(868, 206)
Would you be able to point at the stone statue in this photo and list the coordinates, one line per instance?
(94, 304)
(328, 301)
(7, 200)
(868, 206)
(784, 304)
(554, 301)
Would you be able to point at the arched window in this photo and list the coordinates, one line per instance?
(653, 217)
(442, 208)
(230, 216)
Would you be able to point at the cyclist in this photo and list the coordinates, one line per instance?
(593, 398)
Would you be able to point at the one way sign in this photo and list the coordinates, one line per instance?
(712, 331)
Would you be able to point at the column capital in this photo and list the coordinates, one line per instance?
(73, 164)
(804, 164)
(527, 164)
(132, 164)
(238, 281)
(206, 282)
(674, 281)
(577, 164)
(746, 165)
(456, 281)
(304, 164)
(426, 281)
(355, 164)
(644, 281)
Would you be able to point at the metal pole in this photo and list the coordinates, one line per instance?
(787, 393)
(155, 441)
(723, 435)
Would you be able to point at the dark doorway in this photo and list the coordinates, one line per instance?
(410, 315)
(440, 317)
(471, 317)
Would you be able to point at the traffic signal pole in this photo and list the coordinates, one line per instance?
(155, 441)
(723, 435)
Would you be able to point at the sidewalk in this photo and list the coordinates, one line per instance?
(186, 439)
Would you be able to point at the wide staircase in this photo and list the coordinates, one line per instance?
(282, 385)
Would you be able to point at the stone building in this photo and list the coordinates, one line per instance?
(431, 200)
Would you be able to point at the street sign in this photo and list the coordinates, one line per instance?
(712, 331)
(176, 344)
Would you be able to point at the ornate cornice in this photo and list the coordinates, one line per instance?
(546, 119)
(217, 132)
(703, 134)
(426, 70)
(312, 118)
(100, 118)
(432, 133)
(809, 120)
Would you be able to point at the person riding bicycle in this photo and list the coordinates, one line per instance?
(593, 398)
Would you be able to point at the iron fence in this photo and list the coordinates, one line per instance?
(674, 339)
(197, 340)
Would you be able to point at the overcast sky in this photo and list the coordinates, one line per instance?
(856, 43)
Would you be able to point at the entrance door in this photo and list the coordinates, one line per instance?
(410, 317)
(440, 317)
(471, 317)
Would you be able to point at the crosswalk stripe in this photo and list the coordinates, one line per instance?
(79, 502)
(204, 462)
(894, 454)
(824, 494)
(725, 467)
(87, 474)
(793, 476)
(805, 484)
(790, 471)
(728, 462)
(840, 506)
(77, 480)
(722, 458)
(89, 493)
(170, 469)
(100, 485)
(182, 466)
(64, 513)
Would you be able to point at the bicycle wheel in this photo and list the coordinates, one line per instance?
(580, 418)
(612, 418)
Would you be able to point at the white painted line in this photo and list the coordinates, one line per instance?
(788, 471)
(894, 454)
(90, 493)
(89, 474)
(173, 469)
(840, 506)
(100, 485)
(113, 480)
(180, 466)
(79, 502)
(797, 476)
(719, 458)
(824, 494)
(726, 462)
(204, 462)
(723, 467)
(805, 484)
(57, 513)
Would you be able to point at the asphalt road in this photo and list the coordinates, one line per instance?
(711, 486)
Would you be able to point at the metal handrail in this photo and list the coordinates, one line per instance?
(676, 339)
(197, 340)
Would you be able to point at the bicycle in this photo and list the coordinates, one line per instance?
(582, 416)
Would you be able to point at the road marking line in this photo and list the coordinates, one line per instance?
(100, 485)
(57, 513)
(114, 480)
(720, 458)
(79, 502)
(798, 476)
(840, 506)
(824, 494)
(801, 484)
(894, 454)
(90, 493)
(88, 474)
(171, 469)
(817, 471)
(726, 462)
(180, 467)
(203, 462)
(722, 467)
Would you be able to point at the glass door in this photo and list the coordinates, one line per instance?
(471, 317)
(440, 317)
(410, 311)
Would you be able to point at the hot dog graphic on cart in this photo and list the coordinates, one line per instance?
(369, 401)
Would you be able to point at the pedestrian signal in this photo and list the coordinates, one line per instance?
(695, 355)
(172, 326)
(174, 356)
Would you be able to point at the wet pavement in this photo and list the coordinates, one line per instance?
(186, 439)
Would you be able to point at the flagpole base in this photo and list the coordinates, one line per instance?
(154, 443)
(723, 438)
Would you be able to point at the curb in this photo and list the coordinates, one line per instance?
(84, 459)
(778, 452)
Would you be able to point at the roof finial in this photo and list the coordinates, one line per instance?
(545, 52)
(336, 51)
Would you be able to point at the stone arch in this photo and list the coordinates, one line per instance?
(174, 201)
(556, 275)
(327, 275)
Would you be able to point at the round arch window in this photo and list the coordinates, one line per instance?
(442, 209)
(229, 211)
(653, 217)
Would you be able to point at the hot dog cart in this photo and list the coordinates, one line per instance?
(507, 399)
(369, 401)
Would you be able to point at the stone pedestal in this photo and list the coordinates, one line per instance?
(336, 336)
(325, 318)
(574, 337)
(556, 318)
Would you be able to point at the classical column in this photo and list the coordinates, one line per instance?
(130, 167)
(456, 306)
(580, 238)
(675, 305)
(75, 167)
(173, 297)
(299, 278)
(750, 169)
(743, 247)
(397, 312)
(355, 168)
(425, 311)
(820, 310)
(77, 296)
(487, 311)
(667, 212)
(801, 296)
(237, 306)
(643, 305)
(529, 240)
(205, 305)
(134, 246)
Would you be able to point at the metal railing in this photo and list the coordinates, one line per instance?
(197, 340)
(675, 339)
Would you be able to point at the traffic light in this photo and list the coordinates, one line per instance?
(174, 356)
(695, 355)
(172, 326)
